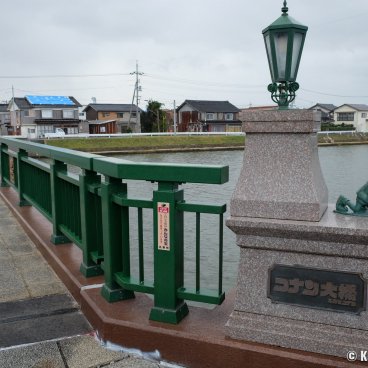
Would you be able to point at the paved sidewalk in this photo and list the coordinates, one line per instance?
(41, 325)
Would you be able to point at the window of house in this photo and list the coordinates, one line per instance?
(42, 129)
(210, 116)
(120, 115)
(68, 114)
(134, 114)
(364, 114)
(26, 112)
(104, 114)
(72, 130)
(345, 116)
(228, 116)
(46, 114)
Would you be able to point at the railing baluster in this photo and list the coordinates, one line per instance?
(57, 198)
(89, 225)
(113, 240)
(198, 251)
(221, 246)
(4, 164)
(140, 245)
(21, 177)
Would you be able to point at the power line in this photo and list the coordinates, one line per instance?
(61, 76)
(330, 94)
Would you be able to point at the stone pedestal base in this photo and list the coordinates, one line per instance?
(281, 176)
(337, 243)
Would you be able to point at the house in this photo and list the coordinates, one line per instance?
(4, 119)
(127, 116)
(208, 116)
(33, 116)
(326, 110)
(356, 114)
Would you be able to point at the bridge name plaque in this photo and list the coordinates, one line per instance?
(316, 288)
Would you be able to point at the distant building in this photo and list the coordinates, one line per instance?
(4, 119)
(356, 114)
(125, 116)
(327, 115)
(82, 113)
(102, 127)
(33, 116)
(208, 116)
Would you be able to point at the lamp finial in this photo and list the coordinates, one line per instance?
(285, 9)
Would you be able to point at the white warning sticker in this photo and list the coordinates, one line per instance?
(163, 223)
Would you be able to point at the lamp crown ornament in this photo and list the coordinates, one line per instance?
(284, 41)
(285, 9)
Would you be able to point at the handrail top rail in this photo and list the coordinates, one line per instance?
(161, 172)
(69, 156)
(125, 169)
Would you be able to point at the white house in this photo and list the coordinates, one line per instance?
(352, 114)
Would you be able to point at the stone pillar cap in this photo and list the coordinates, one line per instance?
(281, 121)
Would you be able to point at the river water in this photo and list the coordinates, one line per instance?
(344, 169)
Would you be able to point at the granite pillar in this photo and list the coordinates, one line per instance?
(280, 215)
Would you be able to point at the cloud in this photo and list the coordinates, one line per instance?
(194, 49)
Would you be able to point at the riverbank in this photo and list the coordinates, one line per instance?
(153, 144)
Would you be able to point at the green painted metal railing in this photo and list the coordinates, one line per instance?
(94, 214)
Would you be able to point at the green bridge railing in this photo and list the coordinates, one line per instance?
(92, 210)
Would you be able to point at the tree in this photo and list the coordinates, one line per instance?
(153, 119)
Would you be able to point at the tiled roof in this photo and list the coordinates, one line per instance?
(113, 107)
(359, 107)
(3, 107)
(210, 106)
(22, 103)
(329, 107)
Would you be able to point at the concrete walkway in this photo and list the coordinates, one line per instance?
(40, 323)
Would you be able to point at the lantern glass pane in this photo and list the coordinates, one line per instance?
(268, 48)
(297, 44)
(281, 42)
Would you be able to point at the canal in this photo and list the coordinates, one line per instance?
(344, 169)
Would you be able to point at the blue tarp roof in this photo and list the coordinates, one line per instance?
(50, 100)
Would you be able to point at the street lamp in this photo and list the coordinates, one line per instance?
(284, 41)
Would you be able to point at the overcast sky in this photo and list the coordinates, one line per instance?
(193, 49)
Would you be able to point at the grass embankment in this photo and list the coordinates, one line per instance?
(341, 139)
(147, 143)
(158, 143)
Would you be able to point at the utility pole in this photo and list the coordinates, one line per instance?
(174, 118)
(158, 120)
(137, 89)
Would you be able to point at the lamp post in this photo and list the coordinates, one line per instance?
(284, 41)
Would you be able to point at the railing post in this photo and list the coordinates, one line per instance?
(57, 197)
(115, 225)
(20, 173)
(168, 254)
(4, 165)
(89, 226)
